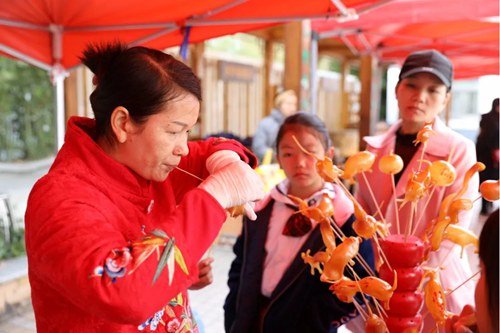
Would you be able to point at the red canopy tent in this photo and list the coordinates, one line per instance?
(51, 34)
(461, 29)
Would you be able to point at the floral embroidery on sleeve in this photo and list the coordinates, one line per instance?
(115, 265)
(175, 316)
(152, 322)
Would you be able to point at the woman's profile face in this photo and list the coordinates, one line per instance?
(155, 148)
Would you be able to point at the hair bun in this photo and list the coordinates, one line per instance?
(99, 57)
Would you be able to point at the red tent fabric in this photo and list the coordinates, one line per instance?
(461, 29)
(50, 33)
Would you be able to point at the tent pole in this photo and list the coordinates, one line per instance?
(314, 72)
(60, 110)
(58, 74)
(23, 57)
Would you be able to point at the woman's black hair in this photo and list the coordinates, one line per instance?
(140, 79)
(488, 253)
(306, 119)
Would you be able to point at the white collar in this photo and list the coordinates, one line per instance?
(280, 191)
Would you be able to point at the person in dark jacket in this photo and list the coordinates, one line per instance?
(487, 149)
(271, 289)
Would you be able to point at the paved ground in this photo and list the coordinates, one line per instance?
(207, 302)
(21, 320)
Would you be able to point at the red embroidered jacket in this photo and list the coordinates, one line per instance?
(111, 252)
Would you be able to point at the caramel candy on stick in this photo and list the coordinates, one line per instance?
(442, 173)
(357, 163)
(391, 164)
(490, 190)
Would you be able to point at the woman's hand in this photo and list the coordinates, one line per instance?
(205, 276)
(463, 323)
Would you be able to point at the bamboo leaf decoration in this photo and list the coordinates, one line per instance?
(167, 251)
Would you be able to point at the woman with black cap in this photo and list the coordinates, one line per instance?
(423, 92)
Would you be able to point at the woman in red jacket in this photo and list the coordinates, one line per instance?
(115, 231)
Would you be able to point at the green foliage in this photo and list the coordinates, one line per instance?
(27, 116)
(238, 44)
(329, 63)
(15, 247)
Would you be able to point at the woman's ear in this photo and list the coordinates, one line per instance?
(120, 123)
(330, 152)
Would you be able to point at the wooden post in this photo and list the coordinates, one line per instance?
(370, 91)
(195, 61)
(196, 58)
(267, 93)
(293, 50)
(70, 96)
(297, 36)
(344, 111)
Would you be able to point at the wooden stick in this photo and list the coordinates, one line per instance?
(358, 256)
(189, 173)
(358, 307)
(425, 207)
(395, 203)
(356, 280)
(379, 308)
(409, 227)
(479, 197)
(461, 284)
(349, 194)
(422, 156)
(382, 254)
(373, 197)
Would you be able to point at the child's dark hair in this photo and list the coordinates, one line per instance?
(140, 79)
(306, 119)
(488, 253)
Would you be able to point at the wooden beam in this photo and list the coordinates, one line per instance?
(275, 33)
(196, 58)
(293, 56)
(367, 114)
(70, 96)
(344, 108)
(267, 92)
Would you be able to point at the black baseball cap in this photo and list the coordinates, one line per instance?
(428, 61)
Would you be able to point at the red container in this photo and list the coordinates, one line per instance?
(405, 304)
(404, 255)
(404, 324)
(403, 251)
(409, 278)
